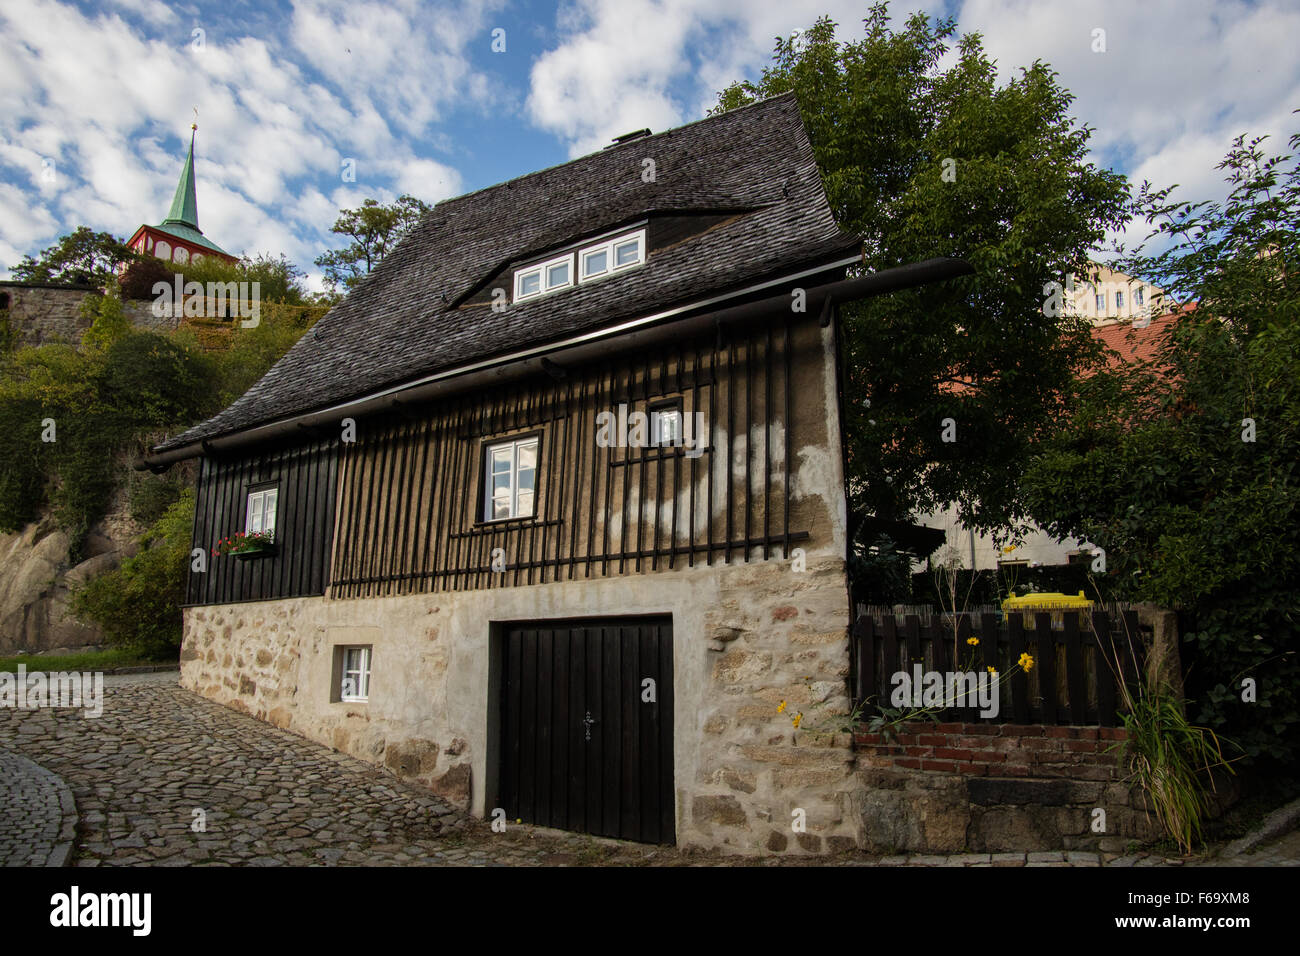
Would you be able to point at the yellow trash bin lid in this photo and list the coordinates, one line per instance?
(1047, 600)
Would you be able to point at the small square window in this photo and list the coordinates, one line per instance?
(511, 480)
(259, 516)
(595, 263)
(666, 426)
(354, 683)
(528, 283)
(627, 253)
(558, 275)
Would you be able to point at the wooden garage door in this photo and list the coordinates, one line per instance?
(587, 727)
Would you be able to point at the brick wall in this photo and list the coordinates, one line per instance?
(997, 750)
(945, 788)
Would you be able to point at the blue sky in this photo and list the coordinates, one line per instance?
(96, 99)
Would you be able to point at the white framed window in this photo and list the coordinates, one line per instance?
(1101, 302)
(355, 682)
(259, 516)
(1119, 300)
(548, 276)
(666, 425)
(611, 255)
(511, 479)
(1137, 295)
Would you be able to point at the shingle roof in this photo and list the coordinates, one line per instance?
(401, 323)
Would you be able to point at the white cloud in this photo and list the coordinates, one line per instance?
(106, 99)
(1177, 82)
(620, 65)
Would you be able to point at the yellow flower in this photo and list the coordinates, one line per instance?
(972, 641)
(992, 669)
(1008, 549)
(1026, 661)
(796, 719)
(781, 707)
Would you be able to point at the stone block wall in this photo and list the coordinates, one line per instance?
(991, 788)
(745, 638)
(41, 314)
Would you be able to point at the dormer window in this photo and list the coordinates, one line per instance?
(612, 255)
(546, 277)
(605, 257)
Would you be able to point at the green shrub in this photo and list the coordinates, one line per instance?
(138, 605)
(148, 496)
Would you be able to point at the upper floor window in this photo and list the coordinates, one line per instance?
(1101, 302)
(547, 277)
(1137, 296)
(594, 261)
(511, 475)
(1119, 300)
(260, 514)
(611, 255)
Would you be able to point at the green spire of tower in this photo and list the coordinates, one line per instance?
(185, 207)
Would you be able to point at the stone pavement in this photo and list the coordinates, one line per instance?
(168, 778)
(38, 819)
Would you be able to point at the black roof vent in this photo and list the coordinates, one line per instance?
(628, 137)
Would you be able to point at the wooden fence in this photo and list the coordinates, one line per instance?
(1074, 679)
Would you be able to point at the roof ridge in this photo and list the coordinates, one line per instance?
(615, 147)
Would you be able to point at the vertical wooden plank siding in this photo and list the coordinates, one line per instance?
(305, 477)
(399, 511)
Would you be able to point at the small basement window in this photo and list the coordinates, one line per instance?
(352, 665)
(260, 514)
(511, 479)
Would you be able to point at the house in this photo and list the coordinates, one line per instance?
(1129, 340)
(1105, 295)
(556, 501)
(178, 238)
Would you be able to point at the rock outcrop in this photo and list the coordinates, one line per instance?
(36, 578)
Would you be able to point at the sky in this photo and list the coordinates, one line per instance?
(304, 108)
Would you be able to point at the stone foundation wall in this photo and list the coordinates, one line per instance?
(990, 788)
(745, 638)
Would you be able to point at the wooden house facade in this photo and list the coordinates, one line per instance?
(556, 502)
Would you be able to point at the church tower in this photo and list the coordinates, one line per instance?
(178, 237)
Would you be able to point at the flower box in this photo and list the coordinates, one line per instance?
(264, 550)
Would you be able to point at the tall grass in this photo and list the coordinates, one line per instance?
(1170, 759)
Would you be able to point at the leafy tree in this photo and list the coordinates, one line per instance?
(1186, 471)
(923, 162)
(139, 278)
(91, 402)
(374, 229)
(278, 279)
(82, 256)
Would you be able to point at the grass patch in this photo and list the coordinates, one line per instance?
(90, 661)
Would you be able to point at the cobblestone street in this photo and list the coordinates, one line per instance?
(161, 760)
